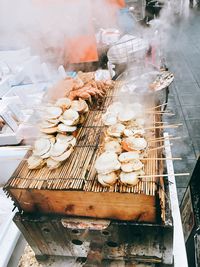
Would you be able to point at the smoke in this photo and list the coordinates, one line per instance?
(46, 26)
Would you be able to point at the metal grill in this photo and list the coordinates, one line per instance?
(79, 172)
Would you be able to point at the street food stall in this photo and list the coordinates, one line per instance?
(96, 183)
(94, 179)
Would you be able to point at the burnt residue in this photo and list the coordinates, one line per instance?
(69, 208)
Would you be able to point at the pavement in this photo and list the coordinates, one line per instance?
(183, 59)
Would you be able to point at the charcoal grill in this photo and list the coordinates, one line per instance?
(134, 224)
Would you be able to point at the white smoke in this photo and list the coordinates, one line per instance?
(46, 26)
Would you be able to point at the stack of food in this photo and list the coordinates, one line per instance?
(60, 120)
(84, 86)
(58, 133)
(124, 145)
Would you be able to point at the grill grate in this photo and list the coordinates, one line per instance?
(78, 172)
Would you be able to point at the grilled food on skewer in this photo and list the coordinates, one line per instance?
(113, 146)
(126, 115)
(128, 156)
(107, 162)
(134, 144)
(116, 130)
(129, 178)
(107, 179)
(132, 165)
(109, 119)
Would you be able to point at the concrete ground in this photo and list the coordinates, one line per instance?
(183, 59)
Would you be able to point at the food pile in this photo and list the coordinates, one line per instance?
(124, 145)
(59, 130)
(61, 119)
(84, 86)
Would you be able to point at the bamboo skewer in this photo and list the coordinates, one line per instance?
(160, 113)
(163, 139)
(164, 126)
(158, 147)
(159, 106)
(160, 159)
(164, 175)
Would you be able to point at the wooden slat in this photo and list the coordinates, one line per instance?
(140, 208)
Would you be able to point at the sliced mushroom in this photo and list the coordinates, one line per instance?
(64, 103)
(107, 179)
(109, 119)
(126, 115)
(59, 148)
(113, 146)
(41, 146)
(64, 156)
(131, 143)
(51, 130)
(133, 165)
(70, 117)
(64, 138)
(130, 178)
(115, 108)
(48, 124)
(132, 132)
(52, 113)
(107, 162)
(128, 156)
(35, 162)
(53, 164)
(116, 130)
(80, 106)
(64, 128)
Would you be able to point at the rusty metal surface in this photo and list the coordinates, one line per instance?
(118, 241)
(92, 224)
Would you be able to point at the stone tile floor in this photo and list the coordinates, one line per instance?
(183, 59)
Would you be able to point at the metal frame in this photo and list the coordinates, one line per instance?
(180, 257)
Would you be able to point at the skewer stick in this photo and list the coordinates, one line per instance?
(162, 140)
(164, 126)
(156, 148)
(160, 159)
(160, 122)
(164, 175)
(159, 106)
(160, 112)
